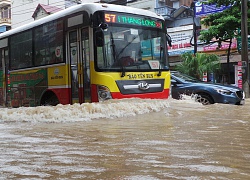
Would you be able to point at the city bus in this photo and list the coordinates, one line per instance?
(89, 52)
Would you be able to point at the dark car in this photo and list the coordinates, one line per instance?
(205, 93)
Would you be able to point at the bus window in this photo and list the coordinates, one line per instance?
(131, 48)
(21, 50)
(48, 43)
(39, 59)
(1, 80)
(1, 66)
(3, 76)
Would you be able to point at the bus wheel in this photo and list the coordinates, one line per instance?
(49, 99)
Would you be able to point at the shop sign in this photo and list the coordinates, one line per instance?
(239, 73)
(180, 37)
(202, 9)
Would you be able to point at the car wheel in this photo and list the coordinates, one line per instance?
(204, 99)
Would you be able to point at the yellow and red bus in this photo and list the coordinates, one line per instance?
(87, 53)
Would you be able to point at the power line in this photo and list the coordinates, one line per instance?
(23, 21)
(30, 10)
(13, 7)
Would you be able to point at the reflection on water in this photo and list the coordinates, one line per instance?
(129, 139)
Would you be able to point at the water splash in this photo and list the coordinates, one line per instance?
(84, 112)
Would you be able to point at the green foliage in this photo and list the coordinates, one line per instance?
(224, 25)
(196, 65)
(225, 2)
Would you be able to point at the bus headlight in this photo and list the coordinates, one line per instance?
(103, 93)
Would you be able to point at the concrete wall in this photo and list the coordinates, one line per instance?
(90, 1)
(143, 4)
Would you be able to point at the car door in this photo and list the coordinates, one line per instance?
(178, 89)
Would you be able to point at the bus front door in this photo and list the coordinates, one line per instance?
(79, 64)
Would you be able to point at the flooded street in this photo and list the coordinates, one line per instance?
(126, 140)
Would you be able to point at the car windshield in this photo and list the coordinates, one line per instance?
(184, 77)
(133, 49)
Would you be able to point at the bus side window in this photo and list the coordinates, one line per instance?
(21, 50)
(1, 60)
(25, 62)
(50, 48)
(52, 58)
(39, 59)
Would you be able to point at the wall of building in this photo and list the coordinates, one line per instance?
(185, 2)
(22, 10)
(178, 3)
(90, 1)
(144, 4)
(5, 17)
(40, 14)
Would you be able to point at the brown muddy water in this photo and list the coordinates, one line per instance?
(129, 139)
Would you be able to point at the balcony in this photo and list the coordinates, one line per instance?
(4, 3)
(165, 11)
(6, 21)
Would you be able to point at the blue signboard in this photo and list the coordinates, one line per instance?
(2, 29)
(206, 9)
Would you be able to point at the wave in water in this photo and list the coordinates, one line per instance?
(83, 112)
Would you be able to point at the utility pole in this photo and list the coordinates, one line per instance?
(195, 29)
(244, 50)
(194, 26)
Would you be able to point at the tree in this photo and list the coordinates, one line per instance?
(197, 65)
(223, 26)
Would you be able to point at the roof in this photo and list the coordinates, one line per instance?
(179, 11)
(47, 8)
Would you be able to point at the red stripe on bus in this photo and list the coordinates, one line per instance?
(63, 95)
(158, 95)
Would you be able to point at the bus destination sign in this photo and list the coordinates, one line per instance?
(133, 20)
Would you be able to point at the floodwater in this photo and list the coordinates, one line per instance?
(129, 139)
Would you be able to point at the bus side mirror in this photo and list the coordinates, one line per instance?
(99, 35)
(99, 38)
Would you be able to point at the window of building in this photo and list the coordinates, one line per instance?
(6, 13)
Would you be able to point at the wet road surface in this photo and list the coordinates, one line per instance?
(126, 140)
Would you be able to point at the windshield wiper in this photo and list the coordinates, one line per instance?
(126, 46)
(123, 71)
(113, 46)
(159, 74)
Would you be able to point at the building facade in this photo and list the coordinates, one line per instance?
(182, 25)
(23, 10)
(5, 19)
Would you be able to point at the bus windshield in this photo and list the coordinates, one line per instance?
(134, 48)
